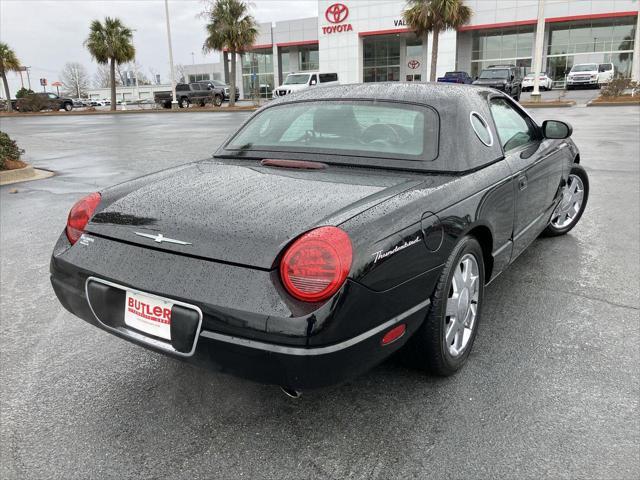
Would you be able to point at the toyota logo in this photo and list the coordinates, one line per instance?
(336, 13)
(413, 64)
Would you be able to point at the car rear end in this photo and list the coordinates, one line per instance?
(276, 306)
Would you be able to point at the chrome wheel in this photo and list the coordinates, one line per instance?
(570, 204)
(462, 305)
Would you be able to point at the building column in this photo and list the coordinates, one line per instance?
(275, 61)
(635, 68)
(537, 57)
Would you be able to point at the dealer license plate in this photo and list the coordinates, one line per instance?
(150, 315)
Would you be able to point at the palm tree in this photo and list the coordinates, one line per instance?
(8, 62)
(435, 16)
(230, 28)
(110, 43)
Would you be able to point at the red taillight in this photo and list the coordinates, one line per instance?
(316, 265)
(80, 215)
(394, 334)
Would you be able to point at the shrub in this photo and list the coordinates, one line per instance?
(23, 92)
(617, 86)
(9, 150)
(32, 103)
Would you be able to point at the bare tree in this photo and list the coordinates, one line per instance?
(178, 70)
(75, 79)
(101, 77)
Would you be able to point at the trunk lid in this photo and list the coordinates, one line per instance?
(240, 213)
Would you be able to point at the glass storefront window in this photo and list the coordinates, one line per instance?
(308, 58)
(381, 59)
(198, 77)
(606, 35)
(596, 41)
(513, 46)
(257, 73)
(284, 57)
(414, 47)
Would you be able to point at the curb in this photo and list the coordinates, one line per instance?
(127, 112)
(548, 105)
(25, 174)
(591, 103)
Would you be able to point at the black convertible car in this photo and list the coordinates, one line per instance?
(334, 228)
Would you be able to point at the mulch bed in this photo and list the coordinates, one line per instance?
(13, 164)
(623, 99)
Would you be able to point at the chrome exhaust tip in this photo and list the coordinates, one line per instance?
(289, 392)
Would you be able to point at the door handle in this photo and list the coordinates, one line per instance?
(522, 182)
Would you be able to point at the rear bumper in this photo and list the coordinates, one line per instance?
(274, 347)
(300, 368)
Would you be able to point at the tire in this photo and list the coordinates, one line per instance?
(517, 96)
(184, 102)
(569, 88)
(578, 188)
(428, 349)
(217, 100)
(68, 107)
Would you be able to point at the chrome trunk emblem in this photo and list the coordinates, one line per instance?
(161, 238)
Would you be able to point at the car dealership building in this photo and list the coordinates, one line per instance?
(367, 41)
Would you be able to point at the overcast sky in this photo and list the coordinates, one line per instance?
(46, 34)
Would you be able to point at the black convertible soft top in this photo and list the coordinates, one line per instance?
(459, 148)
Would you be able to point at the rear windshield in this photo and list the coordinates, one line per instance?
(494, 74)
(358, 128)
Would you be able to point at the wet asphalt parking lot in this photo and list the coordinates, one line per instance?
(551, 389)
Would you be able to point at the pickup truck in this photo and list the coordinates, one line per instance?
(42, 101)
(188, 93)
(223, 88)
(456, 77)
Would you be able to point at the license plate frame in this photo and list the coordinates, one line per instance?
(139, 337)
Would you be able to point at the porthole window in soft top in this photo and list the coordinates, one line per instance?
(481, 128)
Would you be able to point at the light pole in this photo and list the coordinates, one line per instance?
(135, 73)
(535, 95)
(174, 102)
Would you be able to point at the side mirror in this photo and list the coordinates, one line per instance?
(513, 77)
(313, 82)
(556, 129)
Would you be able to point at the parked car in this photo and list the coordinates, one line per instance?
(188, 93)
(42, 101)
(291, 267)
(590, 75)
(505, 78)
(223, 88)
(545, 82)
(100, 102)
(456, 77)
(296, 82)
(79, 103)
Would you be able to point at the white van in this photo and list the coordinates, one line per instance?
(590, 74)
(301, 81)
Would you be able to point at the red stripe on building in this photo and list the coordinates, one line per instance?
(497, 25)
(593, 16)
(293, 44)
(384, 32)
(533, 21)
